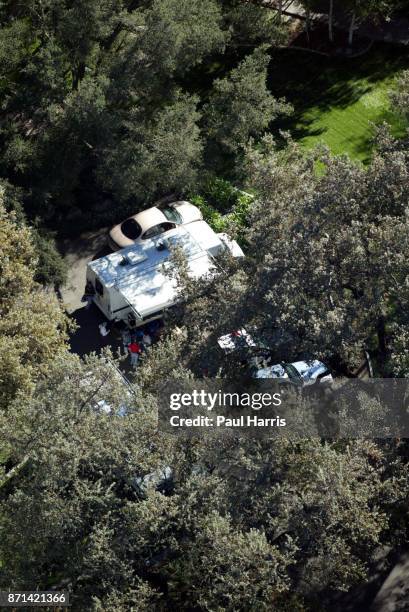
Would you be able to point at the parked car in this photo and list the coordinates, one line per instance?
(301, 373)
(259, 358)
(152, 222)
(252, 345)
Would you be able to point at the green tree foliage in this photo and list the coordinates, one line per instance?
(232, 524)
(93, 105)
(92, 99)
(230, 573)
(326, 270)
(159, 43)
(129, 517)
(155, 156)
(31, 323)
(241, 105)
(70, 149)
(251, 24)
(400, 94)
(179, 33)
(51, 268)
(350, 225)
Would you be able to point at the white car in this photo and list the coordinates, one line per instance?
(159, 480)
(152, 222)
(300, 372)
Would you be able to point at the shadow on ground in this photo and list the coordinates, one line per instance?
(77, 253)
(87, 337)
(315, 85)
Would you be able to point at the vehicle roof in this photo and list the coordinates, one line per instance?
(275, 371)
(194, 239)
(238, 339)
(156, 291)
(149, 217)
(202, 233)
(303, 367)
(177, 203)
(137, 271)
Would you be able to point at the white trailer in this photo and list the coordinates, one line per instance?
(132, 284)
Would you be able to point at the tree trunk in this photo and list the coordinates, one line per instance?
(351, 30)
(381, 332)
(382, 343)
(307, 22)
(280, 10)
(330, 20)
(78, 75)
(15, 470)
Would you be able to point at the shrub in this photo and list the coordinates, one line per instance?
(210, 214)
(51, 267)
(221, 194)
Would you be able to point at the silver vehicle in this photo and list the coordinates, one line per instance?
(300, 372)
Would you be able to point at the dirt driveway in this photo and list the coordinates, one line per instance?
(77, 253)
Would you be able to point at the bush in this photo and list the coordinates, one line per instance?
(210, 214)
(51, 267)
(242, 207)
(221, 194)
(237, 217)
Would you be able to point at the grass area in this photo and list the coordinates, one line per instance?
(337, 101)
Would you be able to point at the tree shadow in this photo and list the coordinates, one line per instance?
(86, 244)
(87, 338)
(315, 84)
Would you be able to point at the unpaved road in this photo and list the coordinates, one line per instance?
(77, 253)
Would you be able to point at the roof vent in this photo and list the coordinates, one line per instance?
(132, 259)
(162, 244)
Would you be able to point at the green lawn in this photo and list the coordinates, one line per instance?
(337, 101)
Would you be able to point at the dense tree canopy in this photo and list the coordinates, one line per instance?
(326, 272)
(94, 99)
(216, 517)
(219, 518)
(32, 324)
(241, 105)
(104, 106)
(157, 155)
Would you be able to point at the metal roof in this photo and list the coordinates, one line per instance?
(155, 291)
(138, 271)
(121, 267)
